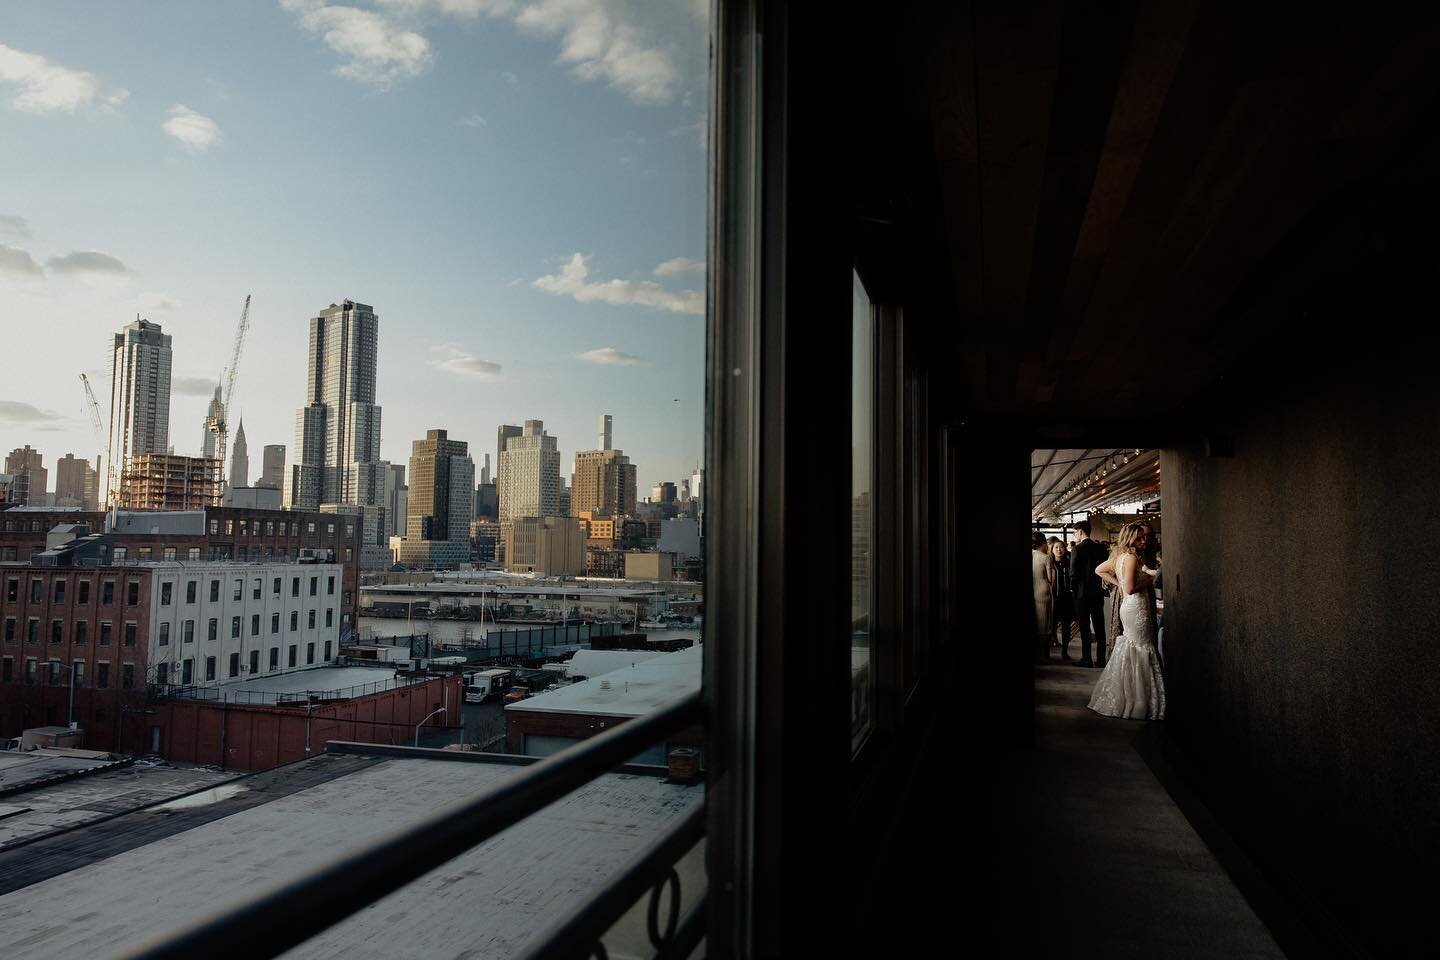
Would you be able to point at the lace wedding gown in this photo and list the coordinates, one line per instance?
(1132, 686)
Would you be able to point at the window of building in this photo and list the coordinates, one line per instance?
(12, 589)
(127, 676)
(132, 594)
(57, 630)
(293, 651)
(274, 623)
(59, 591)
(345, 599)
(329, 616)
(349, 530)
(54, 673)
(190, 587)
(37, 590)
(9, 629)
(312, 620)
(105, 627)
(187, 670)
(330, 530)
(189, 631)
(239, 588)
(30, 670)
(294, 620)
(80, 627)
(107, 593)
(310, 653)
(209, 668)
(119, 554)
(349, 554)
(33, 630)
(327, 651)
(214, 591)
(275, 587)
(269, 528)
(83, 592)
(7, 669)
(102, 675)
(129, 633)
(330, 587)
(860, 650)
(255, 588)
(78, 667)
(213, 630)
(143, 553)
(282, 528)
(244, 528)
(234, 628)
(274, 658)
(162, 673)
(164, 634)
(294, 586)
(314, 585)
(229, 528)
(235, 664)
(169, 553)
(192, 553)
(165, 590)
(310, 526)
(214, 527)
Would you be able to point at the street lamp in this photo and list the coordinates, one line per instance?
(70, 710)
(423, 722)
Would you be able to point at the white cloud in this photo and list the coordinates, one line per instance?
(572, 281)
(680, 265)
(116, 99)
(599, 44)
(13, 411)
(13, 226)
(43, 86)
(473, 120)
(376, 50)
(193, 386)
(19, 263)
(83, 262)
(609, 356)
(455, 8)
(463, 364)
(195, 132)
(510, 78)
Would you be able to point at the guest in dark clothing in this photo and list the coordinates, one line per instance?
(1064, 600)
(1089, 596)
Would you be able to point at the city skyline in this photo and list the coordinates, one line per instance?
(530, 230)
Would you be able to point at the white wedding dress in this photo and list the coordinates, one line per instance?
(1132, 686)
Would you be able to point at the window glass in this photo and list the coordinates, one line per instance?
(862, 574)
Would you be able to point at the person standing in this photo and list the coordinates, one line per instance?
(1040, 580)
(1062, 600)
(1132, 685)
(1089, 595)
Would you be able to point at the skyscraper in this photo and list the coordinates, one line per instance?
(272, 467)
(529, 476)
(337, 432)
(139, 393)
(441, 502)
(26, 465)
(604, 479)
(76, 483)
(239, 461)
(214, 418)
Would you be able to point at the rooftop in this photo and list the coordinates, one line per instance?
(578, 591)
(326, 682)
(627, 692)
(594, 663)
(25, 770)
(196, 857)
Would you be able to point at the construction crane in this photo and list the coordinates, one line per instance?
(93, 408)
(224, 427)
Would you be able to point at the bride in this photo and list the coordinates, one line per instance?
(1131, 686)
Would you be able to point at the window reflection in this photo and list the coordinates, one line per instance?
(862, 576)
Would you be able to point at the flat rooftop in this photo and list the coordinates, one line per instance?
(528, 589)
(18, 770)
(341, 681)
(188, 859)
(630, 691)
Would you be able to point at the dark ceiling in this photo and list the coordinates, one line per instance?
(1111, 202)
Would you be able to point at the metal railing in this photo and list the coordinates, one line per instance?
(222, 693)
(272, 921)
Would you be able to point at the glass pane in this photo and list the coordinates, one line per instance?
(862, 574)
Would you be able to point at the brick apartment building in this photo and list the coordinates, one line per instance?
(216, 533)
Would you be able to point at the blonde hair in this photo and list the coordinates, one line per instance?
(1129, 534)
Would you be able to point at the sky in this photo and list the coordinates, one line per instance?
(516, 186)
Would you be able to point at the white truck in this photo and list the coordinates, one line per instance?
(485, 684)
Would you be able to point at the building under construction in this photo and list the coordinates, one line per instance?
(161, 481)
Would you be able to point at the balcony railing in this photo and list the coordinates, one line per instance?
(273, 920)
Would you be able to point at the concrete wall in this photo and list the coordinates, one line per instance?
(1301, 624)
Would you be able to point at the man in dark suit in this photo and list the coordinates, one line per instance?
(1089, 594)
